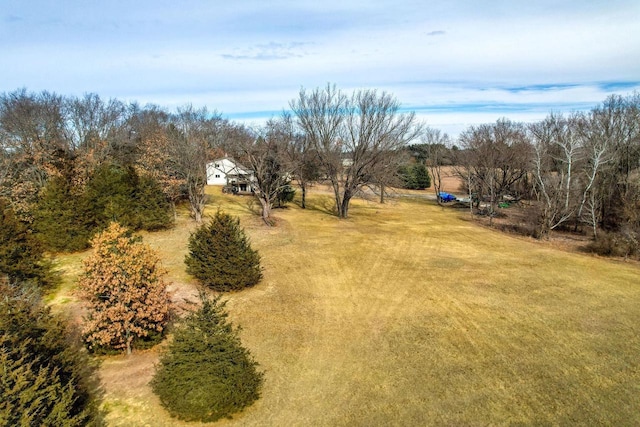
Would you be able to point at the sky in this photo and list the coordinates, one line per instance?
(455, 63)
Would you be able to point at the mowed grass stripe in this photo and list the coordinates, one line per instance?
(431, 319)
(408, 314)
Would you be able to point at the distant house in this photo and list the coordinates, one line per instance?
(231, 174)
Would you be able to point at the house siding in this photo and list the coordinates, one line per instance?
(217, 171)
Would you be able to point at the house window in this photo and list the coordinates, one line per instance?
(218, 176)
(216, 165)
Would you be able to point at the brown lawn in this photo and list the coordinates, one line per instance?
(409, 314)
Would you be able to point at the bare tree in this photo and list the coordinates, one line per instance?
(354, 137)
(386, 176)
(265, 154)
(302, 158)
(498, 157)
(597, 151)
(320, 115)
(93, 123)
(33, 144)
(191, 134)
(437, 149)
(617, 121)
(149, 128)
(557, 144)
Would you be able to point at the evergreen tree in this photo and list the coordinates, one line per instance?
(126, 296)
(285, 195)
(60, 217)
(221, 257)
(421, 176)
(118, 193)
(406, 176)
(205, 373)
(21, 254)
(414, 177)
(66, 218)
(152, 207)
(110, 196)
(46, 379)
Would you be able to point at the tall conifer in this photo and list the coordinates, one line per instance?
(206, 374)
(221, 257)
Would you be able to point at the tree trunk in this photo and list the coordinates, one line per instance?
(545, 228)
(343, 208)
(382, 193)
(470, 194)
(303, 188)
(196, 200)
(266, 210)
(436, 188)
(129, 339)
(197, 215)
(336, 195)
(174, 210)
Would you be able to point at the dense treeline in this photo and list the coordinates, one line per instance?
(69, 166)
(578, 172)
(581, 170)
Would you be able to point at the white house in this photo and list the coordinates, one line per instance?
(228, 172)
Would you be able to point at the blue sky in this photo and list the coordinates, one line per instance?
(455, 63)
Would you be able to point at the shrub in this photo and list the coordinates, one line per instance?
(128, 305)
(620, 244)
(205, 374)
(46, 378)
(221, 257)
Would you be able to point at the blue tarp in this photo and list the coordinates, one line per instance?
(446, 197)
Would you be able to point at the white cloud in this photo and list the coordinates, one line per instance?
(458, 62)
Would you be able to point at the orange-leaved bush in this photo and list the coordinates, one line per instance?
(126, 296)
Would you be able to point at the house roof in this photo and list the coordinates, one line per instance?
(236, 169)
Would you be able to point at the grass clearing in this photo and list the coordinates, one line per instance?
(407, 314)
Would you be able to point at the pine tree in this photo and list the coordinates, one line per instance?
(205, 373)
(65, 217)
(414, 177)
(45, 377)
(21, 254)
(421, 176)
(126, 296)
(110, 196)
(118, 193)
(61, 219)
(221, 257)
(152, 207)
(285, 195)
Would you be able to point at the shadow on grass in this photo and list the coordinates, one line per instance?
(241, 203)
(324, 204)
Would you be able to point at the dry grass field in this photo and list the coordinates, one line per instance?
(407, 314)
